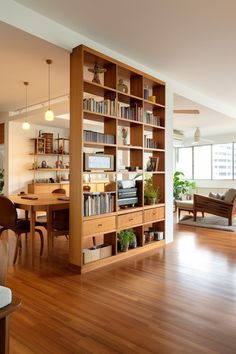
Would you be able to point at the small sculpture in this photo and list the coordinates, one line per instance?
(97, 70)
(122, 86)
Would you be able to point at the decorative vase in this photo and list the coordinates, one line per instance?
(124, 141)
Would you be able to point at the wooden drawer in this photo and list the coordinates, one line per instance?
(130, 219)
(154, 214)
(100, 225)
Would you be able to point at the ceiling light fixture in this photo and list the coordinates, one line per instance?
(25, 124)
(49, 115)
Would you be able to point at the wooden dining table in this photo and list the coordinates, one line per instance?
(33, 203)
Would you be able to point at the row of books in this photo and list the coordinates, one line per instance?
(133, 112)
(149, 118)
(99, 203)
(105, 107)
(150, 143)
(96, 137)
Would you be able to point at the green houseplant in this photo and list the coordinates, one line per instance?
(151, 192)
(181, 186)
(127, 238)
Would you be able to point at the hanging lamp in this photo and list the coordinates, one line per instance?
(49, 115)
(25, 124)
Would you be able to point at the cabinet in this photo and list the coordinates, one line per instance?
(118, 111)
(50, 165)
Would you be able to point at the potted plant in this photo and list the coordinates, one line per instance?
(181, 186)
(151, 192)
(127, 238)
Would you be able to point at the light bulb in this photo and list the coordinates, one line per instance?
(25, 125)
(49, 115)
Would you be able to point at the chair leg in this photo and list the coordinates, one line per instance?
(194, 215)
(203, 214)
(179, 211)
(18, 240)
(41, 240)
(230, 220)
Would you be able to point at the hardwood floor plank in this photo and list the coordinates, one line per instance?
(177, 300)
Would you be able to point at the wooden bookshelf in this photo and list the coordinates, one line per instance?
(107, 110)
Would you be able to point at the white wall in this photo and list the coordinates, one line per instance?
(18, 150)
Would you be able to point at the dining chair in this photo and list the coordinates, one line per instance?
(4, 250)
(59, 191)
(59, 224)
(9, 221)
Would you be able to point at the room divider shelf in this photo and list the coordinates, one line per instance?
(106, 108)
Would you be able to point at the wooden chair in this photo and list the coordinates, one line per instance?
(215, 206)
(3, 261)
(59, 191)
(10, 221)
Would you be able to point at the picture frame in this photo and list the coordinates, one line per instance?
(152, 164)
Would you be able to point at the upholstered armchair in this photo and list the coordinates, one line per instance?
(224, 206)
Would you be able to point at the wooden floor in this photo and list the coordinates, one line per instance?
(181, 299)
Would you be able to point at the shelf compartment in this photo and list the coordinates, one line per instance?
(98, 90)
(128, 122)
(97, 117)
(49, 169)
(94, 144)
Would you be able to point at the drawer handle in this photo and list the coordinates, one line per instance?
(99, 225)
(154, 213)
(131, 219)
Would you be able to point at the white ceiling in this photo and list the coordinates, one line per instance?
(182, 40)
(192, 42)
(211, 123)
(23, 59)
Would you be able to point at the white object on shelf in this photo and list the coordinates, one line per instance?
(5, 296)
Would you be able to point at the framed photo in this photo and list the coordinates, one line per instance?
(152, 164)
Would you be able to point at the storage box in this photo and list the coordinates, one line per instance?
(91, 255)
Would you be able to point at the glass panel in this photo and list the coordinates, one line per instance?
(202, 162)
(222, 161)
(184, 161)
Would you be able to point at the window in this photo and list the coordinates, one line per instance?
(184, 162)
(202, 162)
(222, 161)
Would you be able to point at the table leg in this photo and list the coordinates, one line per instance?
(32, 233)
(49, 230)
(4, 335)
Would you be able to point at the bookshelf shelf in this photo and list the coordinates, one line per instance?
(102, 112)
(96, 89)
(94, 144)
(154, 104)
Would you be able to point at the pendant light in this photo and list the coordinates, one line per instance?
(49, 115)
(26, 125)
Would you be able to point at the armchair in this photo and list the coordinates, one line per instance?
(225, 207)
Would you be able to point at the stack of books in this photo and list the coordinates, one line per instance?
(90, 135)
(133, 112)
(150, 143)
(149, 118)
(99, 203)
(105, 107)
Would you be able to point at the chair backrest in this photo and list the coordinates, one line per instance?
(60, 219)
(3, 261)
(59, 191)
(8, 213)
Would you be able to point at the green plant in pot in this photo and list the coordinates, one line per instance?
(181, 186)
(151, 192)
(127, 238)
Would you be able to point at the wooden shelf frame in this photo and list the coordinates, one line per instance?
(82, 58)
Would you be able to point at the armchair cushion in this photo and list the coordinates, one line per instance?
(230, 195)
(217, 195)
